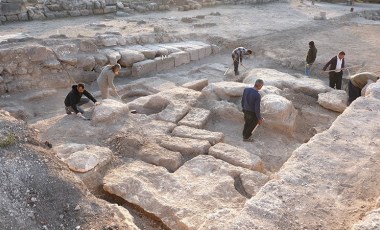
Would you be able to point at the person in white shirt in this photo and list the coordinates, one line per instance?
(335, 72)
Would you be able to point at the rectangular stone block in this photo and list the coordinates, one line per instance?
(197, 118)
(110, 9)
(98, 11)
(12, 18)
(180, 58)
(164, 64)
(49, 15)
(74, 13)
(85, 12)
(11, 8)
(60, 14)
(194, 53)
(23, 17)
(143, 67)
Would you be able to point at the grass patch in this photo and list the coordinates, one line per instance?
(9, 140)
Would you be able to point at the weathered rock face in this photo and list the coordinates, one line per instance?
(329, 170)
(335, 100)
(308, 86)
(196, 118)
(279, 112)
(210, 181)
(373, 90)
(186, 146)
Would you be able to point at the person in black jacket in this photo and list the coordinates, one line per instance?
(74, 99)
(335, 74)
(310, 58)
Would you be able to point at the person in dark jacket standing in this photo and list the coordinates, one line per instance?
(310, 58)
(251, 108)
(335, 74)
(74, 99)
(237, 57)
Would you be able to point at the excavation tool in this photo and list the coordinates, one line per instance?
(84, 118)
(229, 67)
(350, 67)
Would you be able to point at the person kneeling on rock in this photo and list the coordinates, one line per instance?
(357, 83)
(74, 99)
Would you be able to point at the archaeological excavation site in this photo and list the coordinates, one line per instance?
(161, 146)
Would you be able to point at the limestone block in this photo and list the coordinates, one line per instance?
(98, 11)
(113, 56)
(271, 77)
(101, 59)
(279, 113)
(173, 112)
(197, 85)
(237, 156)
(180, 58)
(39, 53)
(215, 49)
(186, 146)
(52, 64)
(10, 8)
(202, 134)
(12, 18)
(335, 100)
(88, 159)
(194, 53)
(85, 12)
(23, 17)
(253, 181)
(143, 67)
(373, 90)
(86, 62)
(202, 185)
(64, 52)
(74, 13)
(109, 111)
(88, 46)
(225, 90)
(151, 104)
(129, 57)
(164, 63)
(196, 118)
(107, 40)
(157, 155)
(109, 9)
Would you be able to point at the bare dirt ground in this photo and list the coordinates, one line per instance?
(278, 33)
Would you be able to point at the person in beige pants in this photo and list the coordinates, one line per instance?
(105, 79)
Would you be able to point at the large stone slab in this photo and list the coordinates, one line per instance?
(279, 113)
(197, 118)
(236, 156)
(198, 195)
(174, 112)
(323, 183)
(151, 104)
(109, 111)
(308, 86)
(225, 90)
(373, 90)
(186, 146)
(157, 155)
(335, 100)
(144, 67)
(201, 134)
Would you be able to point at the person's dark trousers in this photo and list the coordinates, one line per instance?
(82, 101)
(336, 79)
(353, 92)
(251, 121)
(236, 64)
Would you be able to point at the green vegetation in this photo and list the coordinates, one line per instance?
(9, 140)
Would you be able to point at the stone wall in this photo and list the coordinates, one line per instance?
(61, 62)
(25, 10)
